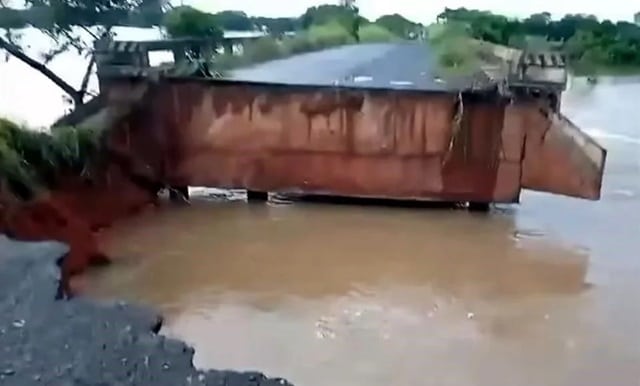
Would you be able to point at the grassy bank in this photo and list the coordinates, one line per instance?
(316, 38)
(32, 161)
(456, 53)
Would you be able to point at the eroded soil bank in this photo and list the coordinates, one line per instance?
(82, 342)
(72, 214)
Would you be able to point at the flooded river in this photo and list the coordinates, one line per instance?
(544, 293)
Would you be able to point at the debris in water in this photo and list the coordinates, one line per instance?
(470, 315)
(18, 323)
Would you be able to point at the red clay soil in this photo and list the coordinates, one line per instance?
(72, 214)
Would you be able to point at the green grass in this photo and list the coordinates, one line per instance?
(374, 33)
(456, 53)
(32, 161)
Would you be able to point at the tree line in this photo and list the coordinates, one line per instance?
(149, 13)
(590, 44)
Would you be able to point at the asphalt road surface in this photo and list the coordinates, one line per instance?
(44, 341)
(407, 65)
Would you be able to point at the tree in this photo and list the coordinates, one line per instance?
(324, 14)
(234, 21)
(186, 21)
(65, 22)
(398, 25)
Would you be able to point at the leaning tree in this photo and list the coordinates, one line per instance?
(72, 25)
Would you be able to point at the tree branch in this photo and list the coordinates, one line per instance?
(87, 75)
(18, 53)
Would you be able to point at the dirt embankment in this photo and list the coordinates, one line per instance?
(72, 214)
(61, 186)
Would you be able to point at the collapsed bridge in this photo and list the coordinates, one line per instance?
(369, 120)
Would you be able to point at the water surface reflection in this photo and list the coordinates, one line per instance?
(358, 295)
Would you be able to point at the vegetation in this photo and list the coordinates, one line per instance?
(591, 45)
(372, 33)
(455, 50)
(185, 21)
(33, 161)
(399, 25)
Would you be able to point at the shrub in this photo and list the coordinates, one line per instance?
(329, 35)
(456, 53)
(263, 49)
(32, 160)
(299, 44)
(372, 33)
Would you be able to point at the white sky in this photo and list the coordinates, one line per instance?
(425, 11)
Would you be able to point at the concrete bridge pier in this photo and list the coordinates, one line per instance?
(479, 207)
(179, 194)
(257, 196)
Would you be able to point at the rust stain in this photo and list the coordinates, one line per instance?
(355, 143)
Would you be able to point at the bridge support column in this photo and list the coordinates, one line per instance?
(257, 196)
(481, 207)
(179, 194)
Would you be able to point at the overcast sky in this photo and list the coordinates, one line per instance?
(425, 11)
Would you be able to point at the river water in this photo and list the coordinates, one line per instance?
(543, 293)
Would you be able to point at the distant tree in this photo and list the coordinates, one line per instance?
(62, 21)
(186, 21)
(348, 17)
(234, 21)
(398, 25)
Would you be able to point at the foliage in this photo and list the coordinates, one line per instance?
(399, 25)
(328, 13)
(588, 41)
(31, 161)
(455, 51)
(234, 21)
(328, 35)
(39, 14)
(263, 49)
(186, 21)
(346, 16)
(374, 32)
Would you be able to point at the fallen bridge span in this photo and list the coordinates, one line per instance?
(350, 132)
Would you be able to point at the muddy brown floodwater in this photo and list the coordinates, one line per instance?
(544, 293)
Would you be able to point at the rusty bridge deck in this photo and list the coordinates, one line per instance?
(366, 121)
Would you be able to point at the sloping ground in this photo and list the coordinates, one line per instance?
(44, 341)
